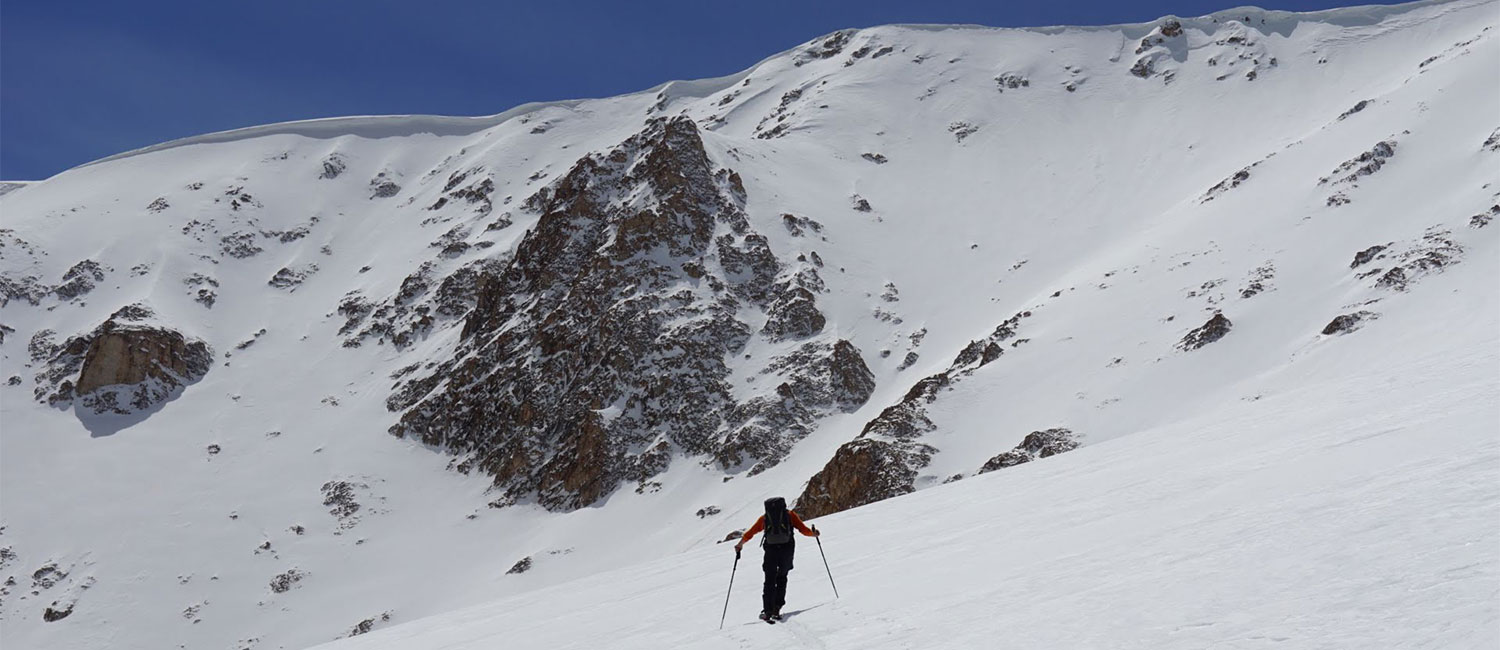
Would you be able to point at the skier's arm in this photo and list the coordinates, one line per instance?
(797, 522)
(760, 525)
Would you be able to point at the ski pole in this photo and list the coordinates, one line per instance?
(731, 587)
(819, 540)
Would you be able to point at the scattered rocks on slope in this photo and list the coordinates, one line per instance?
(1364, 164)
(868, 49)
(883, 461)
(708, 511)
(521, 566)
(79, 280)
(240, 245)
(1170, 28)
(205, 285)
(1492, 143)
(1011, 81)
(827, 47)
(283, 582)
(1227, 184)
(239, 198)
(1211, 331)
(777, 118)
(1259, 282)
(890, 294)
(28, 288)
(342, 501)
(962, 130)
(290, 278)
(1154, 49)
(383, 187)
(1037, 444)
(368, 625)
(475, 193)
(1434, 251)
(1483, 219)
(876, 158)
(799, 226)
(333, 165)
(1361, 105)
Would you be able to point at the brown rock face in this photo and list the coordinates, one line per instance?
(122, 366)
(599, 351)
(131, 356)
(863, 471)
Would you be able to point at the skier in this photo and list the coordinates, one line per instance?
(779, 546)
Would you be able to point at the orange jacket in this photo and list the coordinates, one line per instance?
(760, 525)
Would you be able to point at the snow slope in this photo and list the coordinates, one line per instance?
(1307, 519)
(1337, 490)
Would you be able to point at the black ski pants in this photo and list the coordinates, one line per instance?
(777, 564)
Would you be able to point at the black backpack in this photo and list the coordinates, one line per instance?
(778, 522)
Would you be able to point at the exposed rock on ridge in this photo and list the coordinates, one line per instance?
(123, 366)
(884, 460)
(598, 352)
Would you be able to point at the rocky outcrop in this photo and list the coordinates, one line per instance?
(824, 48)
(863, 471)
(1012, 81)
(1345, 323)
(598, 351)
(1364, 164)
(1413, 260)
(794, 315)
(1484, 218)
(123, 365)
(885, 459)
(817, 378)
(1037, 444)
(57, 612)
(80, 280)
(1365, 256)
(1209, 332)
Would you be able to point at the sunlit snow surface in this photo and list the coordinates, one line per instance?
(1277, 488)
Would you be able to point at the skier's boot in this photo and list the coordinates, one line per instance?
(766, 617)
(776, 616)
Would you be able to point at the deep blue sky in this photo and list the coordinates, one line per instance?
(80, 80)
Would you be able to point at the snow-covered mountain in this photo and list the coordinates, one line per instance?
(275, 386)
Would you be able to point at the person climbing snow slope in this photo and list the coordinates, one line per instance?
(780, 545)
